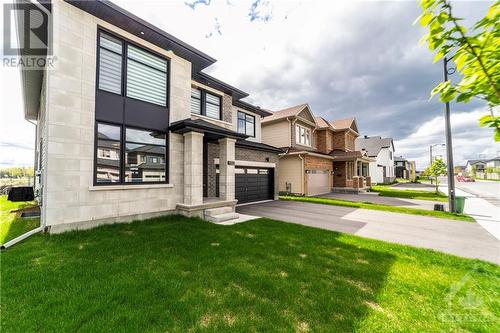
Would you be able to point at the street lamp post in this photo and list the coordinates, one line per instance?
(449, 145)
(430, 153)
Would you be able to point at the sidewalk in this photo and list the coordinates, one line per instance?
(486, 214)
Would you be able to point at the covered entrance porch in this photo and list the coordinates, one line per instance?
(351, 172)
(198, 183)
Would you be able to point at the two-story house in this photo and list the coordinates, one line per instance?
(318, 155)
(382, 151)
(129, 126)
(401, 167)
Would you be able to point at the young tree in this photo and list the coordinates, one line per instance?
(476, 54)
(438, 168)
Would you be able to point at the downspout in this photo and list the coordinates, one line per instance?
(302, 173)
(37, 229)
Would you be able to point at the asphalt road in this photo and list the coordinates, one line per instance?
(487, 190)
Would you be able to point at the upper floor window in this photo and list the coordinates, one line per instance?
(246, 124)
(145, 78)
(302, 135)
(206, 104)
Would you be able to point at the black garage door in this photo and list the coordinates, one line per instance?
(253, 184)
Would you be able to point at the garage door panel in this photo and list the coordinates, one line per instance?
(254, 185)
(318, 182)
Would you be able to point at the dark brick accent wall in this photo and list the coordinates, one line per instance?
(240, 155)
(227, 108)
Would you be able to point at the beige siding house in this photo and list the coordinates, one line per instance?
(319, 156)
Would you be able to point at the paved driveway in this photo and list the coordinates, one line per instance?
(455, 237)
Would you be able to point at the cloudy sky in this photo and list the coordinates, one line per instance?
(344, 58)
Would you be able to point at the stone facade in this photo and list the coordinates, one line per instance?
(66, 133)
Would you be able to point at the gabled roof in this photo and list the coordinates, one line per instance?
(344, 124)
(483, 160)
(288, 112)
(373, 144)
(322, 123)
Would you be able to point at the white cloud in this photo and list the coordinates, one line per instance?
(469, 140)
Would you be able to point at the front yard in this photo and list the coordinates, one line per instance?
(381, 207)
(11, 225)
(389, 191)
(176, 274)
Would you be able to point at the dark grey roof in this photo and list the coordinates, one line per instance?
(202, 126)
(373, 144)
(483, 160)
(257, 146)
(399, 159)
(252, 108)
(109, 12)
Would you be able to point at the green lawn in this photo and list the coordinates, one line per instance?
(175, 274)
(387, 208)
(388, 191)
(10, 225)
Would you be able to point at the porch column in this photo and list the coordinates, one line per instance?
(193, 168)
(226, 168)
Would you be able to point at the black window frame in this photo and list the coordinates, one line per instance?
(203, 103)
(238, 123)
(123, 126)
(125, 43)
(123, 152)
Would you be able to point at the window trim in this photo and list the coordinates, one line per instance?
(123, 142)
(203, 102)
(306, 130)
(238, 122)
(125, 42)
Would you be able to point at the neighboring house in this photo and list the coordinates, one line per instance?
(382, 150)
(478, 165)
(402, 167)
(311, 146)
(488, 168)
(129, 126)
(350, 165)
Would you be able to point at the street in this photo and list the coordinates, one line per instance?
(487, 190)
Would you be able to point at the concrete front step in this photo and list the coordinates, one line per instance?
(350, 190)
(218, 211)
(222, 217)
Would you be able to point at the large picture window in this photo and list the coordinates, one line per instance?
(145, 77)
(206, 104)
(138, 156)
(246, 124)
(145, 156)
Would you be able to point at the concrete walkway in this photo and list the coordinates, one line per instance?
(484, 212)
(455, 237)
(391, 201)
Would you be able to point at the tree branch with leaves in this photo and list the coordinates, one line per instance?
(476, 54)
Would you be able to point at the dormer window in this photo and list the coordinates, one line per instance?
(302, 135)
